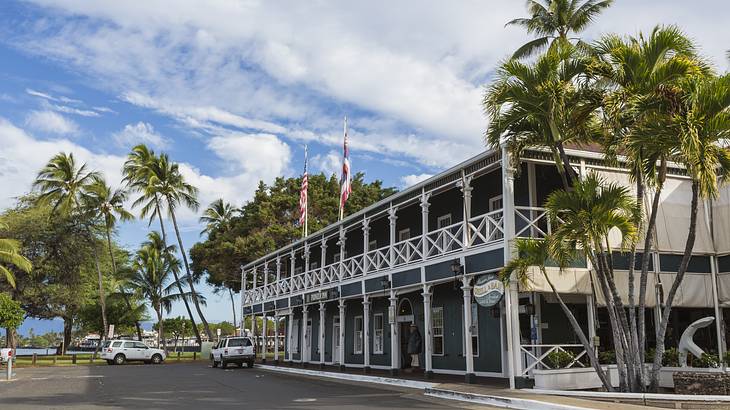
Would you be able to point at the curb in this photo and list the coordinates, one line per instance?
(413, 384)
(498, 401)
(633, 396)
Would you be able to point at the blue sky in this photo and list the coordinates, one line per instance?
(233, 90)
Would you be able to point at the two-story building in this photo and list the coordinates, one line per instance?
(348, 294)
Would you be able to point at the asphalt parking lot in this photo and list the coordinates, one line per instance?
(198, 386)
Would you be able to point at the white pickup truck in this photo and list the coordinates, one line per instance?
(237, 349)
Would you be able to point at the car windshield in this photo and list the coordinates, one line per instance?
(238, 342)
(106, 344)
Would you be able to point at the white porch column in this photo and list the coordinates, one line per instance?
(468, 348)
(276, 337)
(341, 242)
(394, 342)
(278, 275)
(292, 265)
(365, 244)
(342, 334)
(323, 253)
(306, 350)
(427, 332)
(307, 274)
(466, 189)
(366, 332)
(264, 337)
(290, 335)
(424, 223)
(392, 218)
(322, 311)
(511, 300)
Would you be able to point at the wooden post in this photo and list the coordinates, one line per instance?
(35, 357)
(54, 359)
(178, 356)
(73, 358)
(195, 355)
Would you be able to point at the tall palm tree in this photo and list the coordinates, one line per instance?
(554, 21)
(152, 270)
(163, 188)
(544, 104)
(537, 253)
(217, 216)
(587, 213)
(699, 126)
(10, 255)
(65, 185)
(109, 205)
(638, 74)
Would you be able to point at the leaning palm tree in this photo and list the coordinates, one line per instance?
(163, 188)
(638, 75)
(536, 254)
(109, 205)
(699, 128)
(554, 21)
(587, 214)
(65, 185)
(545, 104)
(10, 255)
(217, 216)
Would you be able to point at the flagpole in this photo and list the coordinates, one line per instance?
(342, 206)
(306, 205)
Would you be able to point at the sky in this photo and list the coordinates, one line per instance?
(233, 90)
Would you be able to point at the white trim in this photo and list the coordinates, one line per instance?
(495, 199)
(355, 337)
(382, 333)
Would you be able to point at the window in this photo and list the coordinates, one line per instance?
(297, 270)
(475, 329)
(129, 345)
(295, 336)
(378, 333)
(313, 265)
(140, 345)
(404, 234)
(443, 221)
(337, 256)
(437, 330)
(495, 203)
(117, 344)
(238, 342)
(358, 335)
(372, 245)
(308, 335)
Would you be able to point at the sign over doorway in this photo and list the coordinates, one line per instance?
(488, 290)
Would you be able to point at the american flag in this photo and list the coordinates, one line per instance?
(303, 198)
(346, 179)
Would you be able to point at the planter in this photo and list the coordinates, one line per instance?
(666, 374)
(580, 378)
(700, 383)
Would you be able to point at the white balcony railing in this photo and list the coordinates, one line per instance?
(481, 230)
(536, 356)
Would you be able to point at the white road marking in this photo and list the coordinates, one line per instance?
(304, 400)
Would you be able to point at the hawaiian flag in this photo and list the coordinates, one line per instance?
(346, 178)
(303, 199)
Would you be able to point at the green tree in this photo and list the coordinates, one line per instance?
(554, 21)
(163, 188)
(177, 327)
(217, 216)
(11, 316)
(10, 255)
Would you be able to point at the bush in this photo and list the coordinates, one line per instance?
(607, 357)
(559, 359)
(707, 360)
(726, 358)
(670, 359)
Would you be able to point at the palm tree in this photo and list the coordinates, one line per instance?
(217, 216)
(638, 74)
(543, 104)
(553, 21)
(699, 126)
(66, 186)
(537, 253)
(10, 255)
(109, 205)
(159, 181)
(587, 213)
(151, 279)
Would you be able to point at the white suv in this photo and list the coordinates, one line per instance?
(120, 351)
(236, 349)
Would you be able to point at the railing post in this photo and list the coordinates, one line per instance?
(424, 223)
(392, 218)
(366, 244)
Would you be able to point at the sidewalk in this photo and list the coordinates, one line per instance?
(486, 391)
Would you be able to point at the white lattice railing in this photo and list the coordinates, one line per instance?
(352, 267)
(532, 222)
(445, 240)
(486, 228)
(407, 251)
(378, 259)
(535, 356)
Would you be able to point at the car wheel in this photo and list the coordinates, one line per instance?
(250, 364)
(240, 364)
(213, 363)
(119, 359)
(110, 362)
(156, 359)
(223, 364)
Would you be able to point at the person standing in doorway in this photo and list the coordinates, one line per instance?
(414, 347)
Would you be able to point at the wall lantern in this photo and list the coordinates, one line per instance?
(457, 269)
(384, 282)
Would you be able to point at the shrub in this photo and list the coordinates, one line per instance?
(707, 360)
(726, 358)
(558, 359)
(607, 357)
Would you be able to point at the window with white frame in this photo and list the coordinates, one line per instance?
(295, 336)
(437, 330)
(443, 221)
(495, 203)
(337, 256)
(357, 348)
(404, 234)
(372, 245)
(378, 333)
(297, 270)
(313, 265)
(474, 331)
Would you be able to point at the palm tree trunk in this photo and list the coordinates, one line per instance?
(102, 300)
(160, 330)
(583, 339)
(67, 326)
(194, 295)
(177, 278)
(233, 305)
(569, 171)
(689, 246)
(125, 296)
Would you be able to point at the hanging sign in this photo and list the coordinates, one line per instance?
(488, 290)
(321, 296)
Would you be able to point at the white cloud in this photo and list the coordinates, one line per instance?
(260, 154)
(76, 111)
(330, 163)
(139, 133)
(51, 122)
(413, 179)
